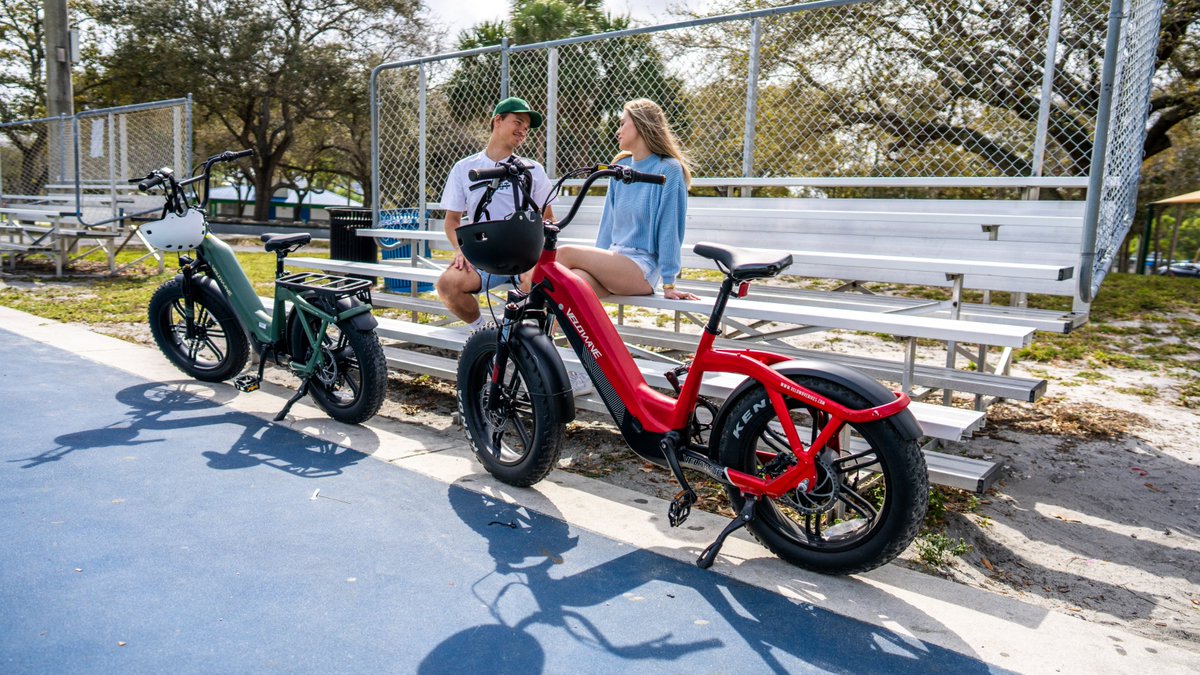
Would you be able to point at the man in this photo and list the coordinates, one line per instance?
(512, 121)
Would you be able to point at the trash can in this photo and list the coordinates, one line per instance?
(402, 219)
(344, 242)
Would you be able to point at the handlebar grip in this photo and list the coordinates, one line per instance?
(639, 177)
(488, 174)
(229, 156)
(150, 182)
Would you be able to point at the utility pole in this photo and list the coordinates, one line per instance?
(60, 99)
(59, 95)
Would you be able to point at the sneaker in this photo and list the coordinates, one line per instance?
(581, 384)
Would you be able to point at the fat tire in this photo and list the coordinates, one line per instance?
(214, 312)
(545, 439)
(901, 463)
(363, 348)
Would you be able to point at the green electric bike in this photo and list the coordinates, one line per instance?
(206, 319)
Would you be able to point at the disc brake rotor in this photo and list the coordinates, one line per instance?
(824, 496)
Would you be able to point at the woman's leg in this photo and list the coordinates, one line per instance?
(606, 272)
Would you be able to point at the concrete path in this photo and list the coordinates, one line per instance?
(156, 524)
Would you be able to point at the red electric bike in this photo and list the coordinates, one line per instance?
(820, 462)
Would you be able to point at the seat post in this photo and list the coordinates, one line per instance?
(714, 320)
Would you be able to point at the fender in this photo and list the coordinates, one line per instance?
(864, 385)
(541, 349)
(364, 321)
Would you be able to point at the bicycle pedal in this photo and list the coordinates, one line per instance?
(681, 507)
(247, 383)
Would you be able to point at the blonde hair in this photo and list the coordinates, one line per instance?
(651, 124)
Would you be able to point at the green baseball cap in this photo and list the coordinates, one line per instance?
(513, 104)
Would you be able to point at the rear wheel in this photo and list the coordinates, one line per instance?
(871, 491)
(519, 442)
(216, 348)
(351, 383)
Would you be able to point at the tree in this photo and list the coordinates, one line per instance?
(950, 86)
(594, 78)
(260, 71)
(23, 95)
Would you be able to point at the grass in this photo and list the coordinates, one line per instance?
(122, 298)
(1117, 333)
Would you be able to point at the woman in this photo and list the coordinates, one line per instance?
(641, 229)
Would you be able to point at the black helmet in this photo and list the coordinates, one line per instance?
(505, 247)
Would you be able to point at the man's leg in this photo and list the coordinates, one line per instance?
(457, 289)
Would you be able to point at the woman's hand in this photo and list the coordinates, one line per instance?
(676, 294)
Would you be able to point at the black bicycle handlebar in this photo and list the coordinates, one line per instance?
(487, 174)
(514, 166)
(639, 177)
(147, 183)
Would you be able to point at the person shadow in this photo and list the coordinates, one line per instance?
(154, 407)
(551, 584)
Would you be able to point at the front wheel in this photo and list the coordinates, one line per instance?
(351, 382)
(215, 349)
(520, 441)
(872, 483)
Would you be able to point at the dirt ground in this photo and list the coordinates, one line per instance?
(1097, 514)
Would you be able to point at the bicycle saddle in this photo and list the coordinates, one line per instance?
(744, 264)
(277, 242)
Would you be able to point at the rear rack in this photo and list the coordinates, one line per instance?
(328, 285)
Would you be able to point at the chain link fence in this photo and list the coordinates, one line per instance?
(1112, 194)
(89, 157)
(997, 98)
(35, 154)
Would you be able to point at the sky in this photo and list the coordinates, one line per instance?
(457, 15)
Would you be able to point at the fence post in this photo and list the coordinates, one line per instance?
(112, 162)
(552, 113)
(751, 104)
(186, 141)
(503, 68)
(1048, 72)
(374, 105)
(422, 85)
(1091, 214)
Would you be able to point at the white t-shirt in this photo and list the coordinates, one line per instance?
(458, 195)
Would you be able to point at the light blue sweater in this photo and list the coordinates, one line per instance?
(646, 216)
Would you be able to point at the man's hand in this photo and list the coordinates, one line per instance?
(460, 262)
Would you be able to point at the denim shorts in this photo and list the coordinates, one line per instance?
(645, 261)
(488, 281)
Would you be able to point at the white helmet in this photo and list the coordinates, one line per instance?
(175, 232)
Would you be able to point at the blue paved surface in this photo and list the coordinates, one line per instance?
(133, 515)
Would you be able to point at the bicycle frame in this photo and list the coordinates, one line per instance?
(645, 416)
(217, 256)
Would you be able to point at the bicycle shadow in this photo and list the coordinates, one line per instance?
(543, 579)
(155, 407)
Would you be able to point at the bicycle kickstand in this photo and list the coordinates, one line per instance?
(291, 401)
(746, 515)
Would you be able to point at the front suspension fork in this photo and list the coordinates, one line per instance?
(513, 310)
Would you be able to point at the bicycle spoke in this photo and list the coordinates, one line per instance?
(856, 503)
(526, 438)
(776, 440)
(215, 350)
(497, 441)
(844, 464)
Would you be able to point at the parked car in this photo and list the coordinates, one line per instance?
(1182, 269)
